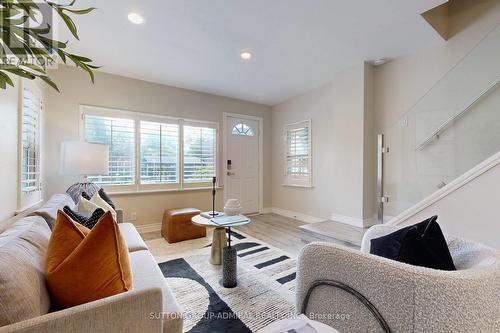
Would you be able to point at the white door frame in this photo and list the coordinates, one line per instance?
(225, 136)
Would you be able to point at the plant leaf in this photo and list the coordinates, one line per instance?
(15, 21)
(8, 12)
(49, 81)
(3, 84)
(62, 55)
(69, 23)
(32, 46)
(42, 31)
(21, 72)
(83, 59)
(35, 68)
(80, 11)
(6, 78)
(88, 70)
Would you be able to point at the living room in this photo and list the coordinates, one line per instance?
(250, 167)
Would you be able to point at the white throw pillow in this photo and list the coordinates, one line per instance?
(86, 207)
(97, 200)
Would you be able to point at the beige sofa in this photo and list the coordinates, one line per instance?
(355, 291)
(25, 302)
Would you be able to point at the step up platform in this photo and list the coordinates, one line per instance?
(335, 232)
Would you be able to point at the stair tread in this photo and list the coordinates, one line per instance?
(335, 230)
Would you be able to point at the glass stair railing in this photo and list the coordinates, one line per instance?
(436, 135)
(451, 129)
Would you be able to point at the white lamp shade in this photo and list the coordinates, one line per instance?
(83, 158)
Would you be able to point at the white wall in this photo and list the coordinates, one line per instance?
(316, 105)
(401, 82)
(337, 113)
(113, 91)
(8, 150)
(471, 212)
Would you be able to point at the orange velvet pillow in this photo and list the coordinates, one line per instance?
(85, 265)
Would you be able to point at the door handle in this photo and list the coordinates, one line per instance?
(230, 173)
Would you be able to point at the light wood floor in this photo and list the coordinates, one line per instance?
(278, 231)
(283, 233)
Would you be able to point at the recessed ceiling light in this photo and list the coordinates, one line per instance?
(135, 18)
(246, 55)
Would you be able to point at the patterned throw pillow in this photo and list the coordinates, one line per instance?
(88, 222)
(106, 198)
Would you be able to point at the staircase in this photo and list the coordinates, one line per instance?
(444, 153)
(448, 137)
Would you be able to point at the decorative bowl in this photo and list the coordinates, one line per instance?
(232, 207)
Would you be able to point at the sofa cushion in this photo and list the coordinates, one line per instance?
(422, 244)
(23, 293)
(132, 238)
(82, 265)
(49, 210)
(146, 274)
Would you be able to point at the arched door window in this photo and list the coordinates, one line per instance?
(242, 129)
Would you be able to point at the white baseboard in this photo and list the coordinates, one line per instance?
(151, 227)
(354, 221)
(295, 215)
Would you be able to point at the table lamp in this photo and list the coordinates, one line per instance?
(79, 158)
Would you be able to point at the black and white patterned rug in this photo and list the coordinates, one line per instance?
(265, 291)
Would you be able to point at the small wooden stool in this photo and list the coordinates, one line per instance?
(177, 225)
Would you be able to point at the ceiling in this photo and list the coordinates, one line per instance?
(297, 44)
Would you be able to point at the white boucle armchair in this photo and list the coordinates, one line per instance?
(355, 291)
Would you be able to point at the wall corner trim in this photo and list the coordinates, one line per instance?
(456, 184)
(267, 210)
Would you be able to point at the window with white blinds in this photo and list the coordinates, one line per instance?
(119, 135)
(151, 152)
(298, 154)
(199, 154)
(30, 136)
(159, 153)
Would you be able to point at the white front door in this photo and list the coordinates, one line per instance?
(242, 162)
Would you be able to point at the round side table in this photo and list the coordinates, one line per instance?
(219, 238)
(222, 252)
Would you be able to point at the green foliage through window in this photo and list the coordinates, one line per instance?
(159, 150)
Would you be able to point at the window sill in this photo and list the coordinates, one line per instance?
(194, 189)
